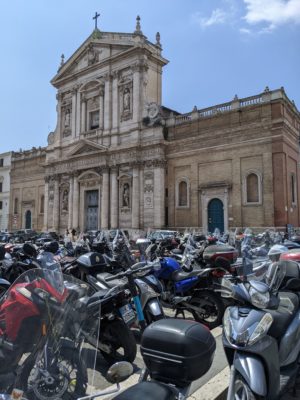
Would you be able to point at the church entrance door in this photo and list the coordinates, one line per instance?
(215, 215)
(91, 211)
(28, 219)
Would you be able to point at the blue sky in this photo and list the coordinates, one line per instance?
(216, 49)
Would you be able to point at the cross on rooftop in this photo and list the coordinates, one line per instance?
(96, 18)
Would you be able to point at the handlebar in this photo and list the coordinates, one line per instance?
(138, 267)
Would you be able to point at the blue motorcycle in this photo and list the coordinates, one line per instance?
(187, 290)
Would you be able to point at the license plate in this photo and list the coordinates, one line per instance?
(127, 313)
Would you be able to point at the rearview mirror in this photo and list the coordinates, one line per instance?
(119, 372)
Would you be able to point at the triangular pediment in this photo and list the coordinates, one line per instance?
(86, 147)
(99, 47)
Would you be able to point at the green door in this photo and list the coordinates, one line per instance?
(215, 215)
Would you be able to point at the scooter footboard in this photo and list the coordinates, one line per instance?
(252, 370)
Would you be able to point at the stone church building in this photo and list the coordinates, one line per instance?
(119, 158)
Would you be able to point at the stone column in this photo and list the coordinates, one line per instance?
(56, 208)
(70, 205)
(58, 109)
(136, 94)
(73, 123)
(75, 203)
(78, 106)
(114, 198)
(101, 112)
(159, 194)
(83, 115)
(107, 102)
(46, 202)
(105, 199)
(115, 102)
(135, 198)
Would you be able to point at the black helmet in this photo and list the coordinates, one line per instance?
(51, 247)
(29, 250)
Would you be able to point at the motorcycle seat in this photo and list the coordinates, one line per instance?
(116, 282)
(147, 391)
(181, 275)
(176, 251)
(282, 317)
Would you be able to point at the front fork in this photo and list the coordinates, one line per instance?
(230, 394)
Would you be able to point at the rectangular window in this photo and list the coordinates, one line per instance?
(1, 205)
(94, 120)
(1, 162)
(1, 186)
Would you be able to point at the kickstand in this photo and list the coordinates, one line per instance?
(180, 312)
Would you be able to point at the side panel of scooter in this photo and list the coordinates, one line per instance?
(290, 343)
(252, 370)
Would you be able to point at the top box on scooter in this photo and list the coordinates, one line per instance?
(177, 351)
(211, 253)
(92, 263)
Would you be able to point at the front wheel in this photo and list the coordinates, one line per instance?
(117, 342)
(241, 390)
(64, 377)
(209, 308)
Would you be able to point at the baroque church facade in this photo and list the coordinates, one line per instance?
(118, 158)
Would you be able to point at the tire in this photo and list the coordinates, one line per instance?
(213, 306)
(241, 390)
(70, 385)
(119, 338)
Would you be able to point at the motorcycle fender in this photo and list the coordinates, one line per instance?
(154, 307)
(252, 370)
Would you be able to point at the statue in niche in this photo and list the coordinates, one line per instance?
(126, 100)
(67, 118)
(65, 199)
(126, 194)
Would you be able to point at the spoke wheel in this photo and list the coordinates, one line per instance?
(211, 309)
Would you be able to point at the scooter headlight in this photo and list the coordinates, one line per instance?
(249, 335)
(261, 328)
(259, 299)
(227, 325)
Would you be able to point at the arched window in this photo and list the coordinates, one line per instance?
(16, 206)
(42, 204)
(252, 188)
(182, 193)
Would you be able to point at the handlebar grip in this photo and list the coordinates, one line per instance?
(113, 277)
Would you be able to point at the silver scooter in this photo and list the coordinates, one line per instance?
(261, 335)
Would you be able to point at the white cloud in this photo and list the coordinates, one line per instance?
(218, 16)
(272, 12)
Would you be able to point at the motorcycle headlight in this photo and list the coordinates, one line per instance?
(259, 299)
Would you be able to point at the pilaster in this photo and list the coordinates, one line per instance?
(105, 199)
(114, 195)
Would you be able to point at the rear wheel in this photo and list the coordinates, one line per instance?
(211, 308)
(117, 342)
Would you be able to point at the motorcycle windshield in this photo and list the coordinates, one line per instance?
(188, 254)
(49, 338)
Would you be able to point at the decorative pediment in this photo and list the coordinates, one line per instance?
(86, 147)
(96, 49)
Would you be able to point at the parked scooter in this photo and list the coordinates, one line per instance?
(261, 334)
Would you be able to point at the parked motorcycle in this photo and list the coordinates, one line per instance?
(261, 334)
(35, 356)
